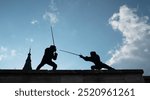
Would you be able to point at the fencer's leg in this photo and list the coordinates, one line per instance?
(53, 65)
(93, 67)
(40, 65)
(108, 67)
(99, 68)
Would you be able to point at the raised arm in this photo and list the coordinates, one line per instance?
(85, 58)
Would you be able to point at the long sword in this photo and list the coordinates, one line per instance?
(52, 35)
(70, 52)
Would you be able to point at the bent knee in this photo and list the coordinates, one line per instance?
(55, 65)
(92, 67)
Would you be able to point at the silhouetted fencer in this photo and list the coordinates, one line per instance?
(96, 60)
(49, 55)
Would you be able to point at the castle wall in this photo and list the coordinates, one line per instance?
(71, 76)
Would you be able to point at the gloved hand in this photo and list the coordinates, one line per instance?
(81, 56)
(55, 55)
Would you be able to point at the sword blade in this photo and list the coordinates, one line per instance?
(52, 35)
(70, 52)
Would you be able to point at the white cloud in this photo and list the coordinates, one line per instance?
(52, 6)
(2, 56)
(13, 52)
(5, 53)
(3, 49)
(135, 49)
(52, 14)
(34, 22)
(31, 40)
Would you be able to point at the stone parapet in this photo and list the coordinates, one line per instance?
(72, 76)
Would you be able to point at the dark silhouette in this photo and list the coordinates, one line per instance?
(49, 55)
(27, 65)
(96, 60)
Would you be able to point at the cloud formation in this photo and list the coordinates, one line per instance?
(52, 14)
(5, 53)
(13, 52)
(31, 40)
(134, 52)
(34, 22)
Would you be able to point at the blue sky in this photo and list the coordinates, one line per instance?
(118, 30)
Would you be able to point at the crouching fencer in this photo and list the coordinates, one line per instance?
(98, 65)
